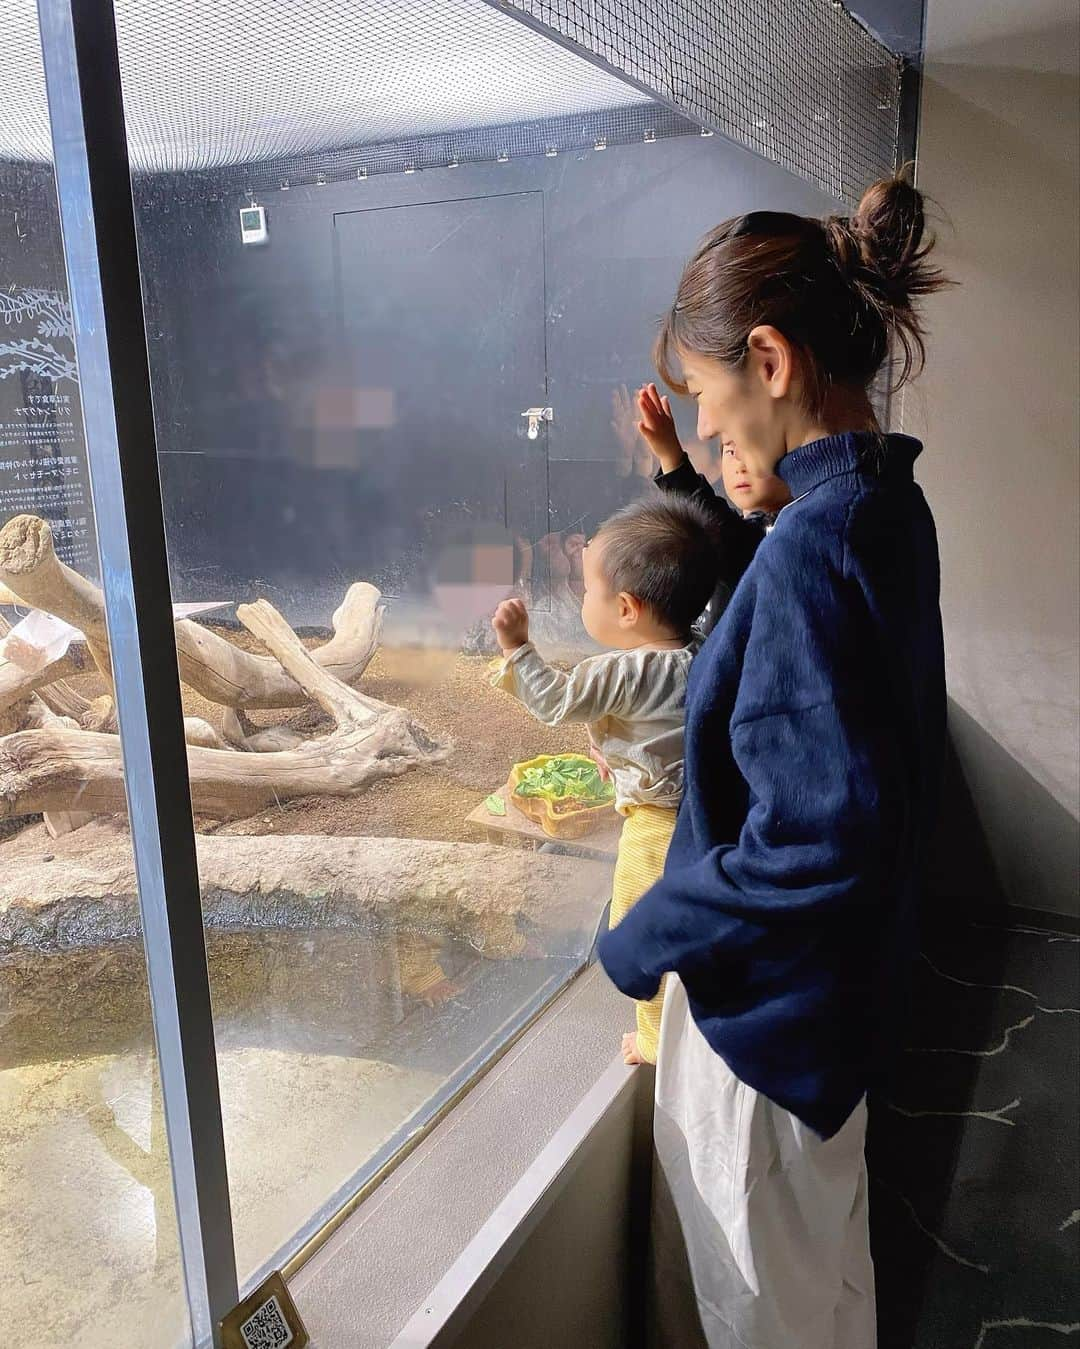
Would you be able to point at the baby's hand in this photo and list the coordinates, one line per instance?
(511, 624)
(657, 427)
(597, 757)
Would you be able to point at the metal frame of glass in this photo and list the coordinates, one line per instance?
(82, 72)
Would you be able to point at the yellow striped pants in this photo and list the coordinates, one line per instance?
(643, 845)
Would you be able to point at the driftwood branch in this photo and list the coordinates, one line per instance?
(39, 716)
(16, 683)
(63, 769)
(32, 573)
(59, 769)
(239, 732)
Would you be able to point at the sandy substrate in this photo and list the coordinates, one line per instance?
(449, 693)
(304, 1018)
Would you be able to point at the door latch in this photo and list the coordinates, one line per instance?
(536, 416)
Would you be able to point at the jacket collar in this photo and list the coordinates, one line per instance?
(850, 452)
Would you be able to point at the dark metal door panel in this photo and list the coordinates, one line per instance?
(442, 326)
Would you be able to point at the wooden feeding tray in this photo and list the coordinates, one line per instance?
(517, 830)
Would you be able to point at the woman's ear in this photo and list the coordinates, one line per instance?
(629, 609)
(771, 358)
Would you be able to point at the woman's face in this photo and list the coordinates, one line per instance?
(739, 408)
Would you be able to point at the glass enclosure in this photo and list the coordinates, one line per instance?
(400, 266)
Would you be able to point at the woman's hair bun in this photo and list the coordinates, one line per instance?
(883, 251)
(890, 225)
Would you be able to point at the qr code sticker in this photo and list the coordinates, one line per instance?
(267, 1328)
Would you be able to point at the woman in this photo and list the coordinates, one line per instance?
(815, 722)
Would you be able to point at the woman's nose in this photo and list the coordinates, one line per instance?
(705, 429)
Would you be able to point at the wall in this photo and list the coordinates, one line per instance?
(243, 345)
(973, 1153)
(998, 409)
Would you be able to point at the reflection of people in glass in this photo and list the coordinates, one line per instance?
(638, 447)
(748, 490)
(633, 461)
(552, 566)
(746, 509)
(430, 966)
(550, 570)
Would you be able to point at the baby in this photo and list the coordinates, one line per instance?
(648, 575)
(753, 500)
(751, 493)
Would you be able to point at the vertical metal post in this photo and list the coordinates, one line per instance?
(82, 70)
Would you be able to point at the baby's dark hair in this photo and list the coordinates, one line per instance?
(666, 554)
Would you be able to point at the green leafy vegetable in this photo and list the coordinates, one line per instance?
(495, 804)
(566, 778)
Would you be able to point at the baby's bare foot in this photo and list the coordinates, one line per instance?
(630, 1053)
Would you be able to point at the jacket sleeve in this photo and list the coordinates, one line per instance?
(686, 481)
(825, 814)
(740, 538)
(595, 688)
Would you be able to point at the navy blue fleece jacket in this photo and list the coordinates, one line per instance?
(814, 734)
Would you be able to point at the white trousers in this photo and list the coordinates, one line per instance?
(760, 1229)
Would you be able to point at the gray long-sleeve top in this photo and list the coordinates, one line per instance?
(633, 703)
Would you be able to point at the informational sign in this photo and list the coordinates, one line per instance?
(43, 469)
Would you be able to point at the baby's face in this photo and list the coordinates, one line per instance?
(749, 489)
(600, 607)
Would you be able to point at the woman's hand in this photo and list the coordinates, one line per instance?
(657, 427)
(511, 624)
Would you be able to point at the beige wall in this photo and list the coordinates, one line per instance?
(997, 408)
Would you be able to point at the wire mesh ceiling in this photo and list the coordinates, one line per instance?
(802, 82)
(210, 85)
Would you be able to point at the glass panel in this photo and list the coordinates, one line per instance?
(340, 379)
(87, 1222)
(372, 238)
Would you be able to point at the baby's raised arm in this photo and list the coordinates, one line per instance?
(596, 688)
(657, 428)
(678, 477)
(511, 624)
